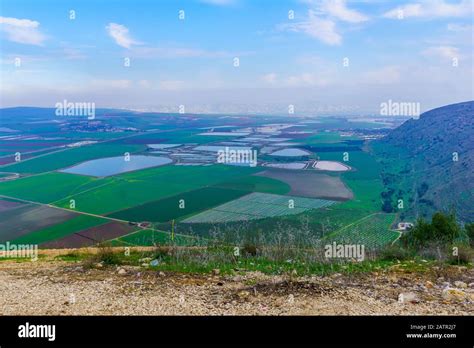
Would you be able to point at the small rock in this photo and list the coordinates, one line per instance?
(216, 271)
(99, 265)
(422, 288)
(429, 285)
(451, 294)
(446, 284)
(471, 285)
(121, 271)
(460, 284)
(145, 259)
(161, 273)
(243, 294)
(408, 297)
(461, 268)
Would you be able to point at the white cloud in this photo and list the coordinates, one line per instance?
(23, 31)
(171, 85)
(121, 35)
(317, 27)
(431, 9)
(219, 2)
(144, 83)
(270, 78)
(304, 80)
(457, 28)
(73, 53)
(382, 76)
(115, 84)
(339, 10)
(177, 52)
(443, 52)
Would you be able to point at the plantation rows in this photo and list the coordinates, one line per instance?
(373, 232)
(257, 206)
(300, 202)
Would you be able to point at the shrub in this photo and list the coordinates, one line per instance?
(465, 255)
(394, 252)
(469, 228)
(105, 254)
(443, 229)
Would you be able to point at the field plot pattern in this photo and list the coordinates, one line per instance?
(258, 206)
(373, 231)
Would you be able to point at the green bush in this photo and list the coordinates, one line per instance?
(394, 252)
(469, 228)
(465, 255)
(443, 229)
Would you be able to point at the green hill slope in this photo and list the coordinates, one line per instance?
(429, 163)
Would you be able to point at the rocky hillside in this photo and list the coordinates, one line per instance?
(429, 162)
(68, 288)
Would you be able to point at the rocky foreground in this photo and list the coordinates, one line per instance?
(65, 288)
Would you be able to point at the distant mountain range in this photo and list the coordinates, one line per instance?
(429, 162)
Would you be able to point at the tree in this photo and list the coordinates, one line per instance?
(469, 228)
(443, 229)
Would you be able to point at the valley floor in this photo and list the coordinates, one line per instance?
(67, 288)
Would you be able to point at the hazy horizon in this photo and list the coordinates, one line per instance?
(338, 57)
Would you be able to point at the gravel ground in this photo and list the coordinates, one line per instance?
(65, 288)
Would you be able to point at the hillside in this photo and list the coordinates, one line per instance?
(420, 164)
(74, 287)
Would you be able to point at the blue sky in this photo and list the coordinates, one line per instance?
(413, 51)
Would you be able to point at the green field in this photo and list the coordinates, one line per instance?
(152, 237)
(46, 188)
(257, 206)
(60, 230)
(257, 184)
(168, 208)
(321, 138)
(105, 195)
(212, 194)
(135, 188)
(373, 231)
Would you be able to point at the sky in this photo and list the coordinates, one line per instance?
(237, 56)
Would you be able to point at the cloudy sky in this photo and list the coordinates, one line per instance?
(322, 56)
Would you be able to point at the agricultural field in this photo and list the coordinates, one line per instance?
(19, 221)
(258, 206)
(148, 185)
(190, 191)
(179, 205)
(47, 188)
(146, 237)
(60, 230)
(373, 231)
(90, 236)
